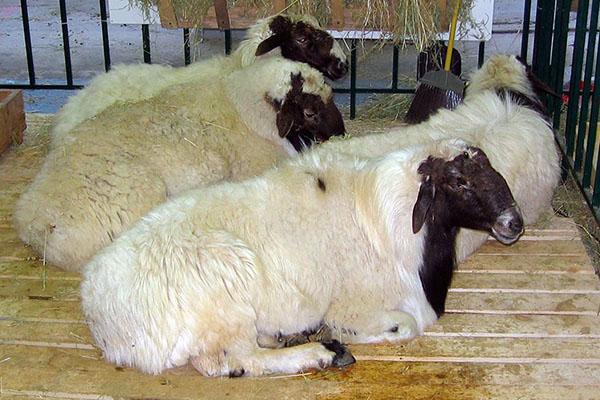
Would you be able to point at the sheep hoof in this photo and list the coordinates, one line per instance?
(236, 373)
(342, 357)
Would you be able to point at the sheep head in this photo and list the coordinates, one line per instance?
(304, 118)
(304, 42)
(466, 191)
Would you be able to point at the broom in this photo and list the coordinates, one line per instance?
(438, 89)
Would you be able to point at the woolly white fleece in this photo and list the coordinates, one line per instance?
(205, 274)
(116, 167)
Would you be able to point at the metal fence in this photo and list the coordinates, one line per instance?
(352, 89)
(575, 115)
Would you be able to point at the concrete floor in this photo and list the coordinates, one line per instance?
(167, 47)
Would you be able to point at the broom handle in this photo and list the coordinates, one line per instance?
(452, 35)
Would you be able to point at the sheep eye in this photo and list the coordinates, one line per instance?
(466, 154)
(302, 40)
(309, 114)
(462, 184)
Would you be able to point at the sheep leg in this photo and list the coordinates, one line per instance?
(258, 361)
(373, 327)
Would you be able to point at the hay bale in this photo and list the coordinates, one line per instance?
(408, 21)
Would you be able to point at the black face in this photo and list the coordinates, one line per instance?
(304, 43)
(467, 192)
(304, 118)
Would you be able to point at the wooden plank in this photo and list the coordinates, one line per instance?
(15, 250)
(168, 18)
(88, 375)
(548, 282)
(457, 303)
(450, 325)
(548, 349)
(222, 14)
(33, 269)
(337, 14)
(45, 332)
(279, 6)
(525, 302)
(540, 247)
(26, 308)
(59, 289)
(516, 262)
(12, 118)
(518, 326)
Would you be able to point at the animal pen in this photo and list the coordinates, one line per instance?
(521, 321)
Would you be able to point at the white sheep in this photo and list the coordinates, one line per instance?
(515, 135)
(205, 276)
(119, 165)
(300, 38)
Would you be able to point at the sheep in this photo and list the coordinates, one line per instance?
(509, 128)
(300, 38)
(125, 161)
(364, 245)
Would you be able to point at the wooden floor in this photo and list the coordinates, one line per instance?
(522, 323)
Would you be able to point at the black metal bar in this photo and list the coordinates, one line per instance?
(585, 98)
(39, 86)
(525, 34)
(227, 41)
(543, 63)
(559, 49)
(146, 44)
(352, 79)
(105, 42)
(481, 54)
(395, 67)
(65, 37)
(591, 141)
(536, 33)
(186, 46)
(27, 36)
(576, 66)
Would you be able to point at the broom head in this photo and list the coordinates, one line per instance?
(437, 89)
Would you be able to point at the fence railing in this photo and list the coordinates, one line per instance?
(352, 89)
(576, 127)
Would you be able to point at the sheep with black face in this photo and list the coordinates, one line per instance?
(298, 38)
(500, 114)
(119, 165)
(209, 275)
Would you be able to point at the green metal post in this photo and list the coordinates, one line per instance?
(591, 142)
(576, 65)
(559, 49)
(585, 98)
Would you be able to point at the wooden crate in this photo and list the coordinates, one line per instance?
(12, 118)
(222, 17)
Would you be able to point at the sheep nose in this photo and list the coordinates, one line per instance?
(337, 69)
(508, 226)
(342, 67)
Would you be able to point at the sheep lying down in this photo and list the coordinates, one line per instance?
(501, 114)
(295, 37)
(119, 165)
(365, 246)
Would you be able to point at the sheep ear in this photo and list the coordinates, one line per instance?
(269, 44)
(284, 123)
(423, 204)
